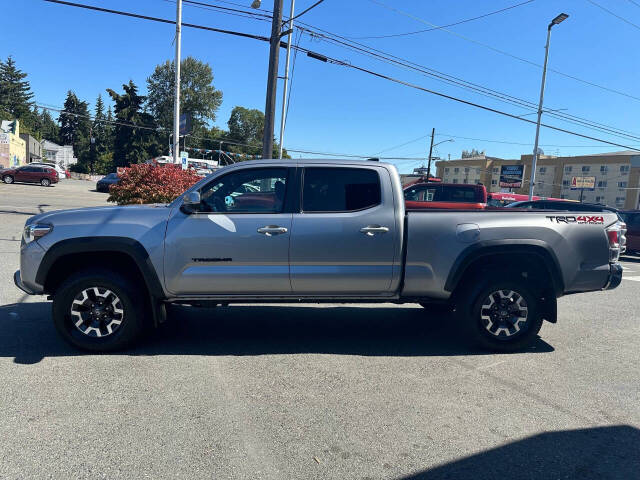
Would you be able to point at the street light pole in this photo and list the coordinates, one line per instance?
(176, 99)
(272, 78)
(559, 19)
(286, 79)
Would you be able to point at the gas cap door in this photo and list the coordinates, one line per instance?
(467, 232)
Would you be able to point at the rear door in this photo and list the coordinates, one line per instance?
(343, 240)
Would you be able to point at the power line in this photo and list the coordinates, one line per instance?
(445, 26)
(364, 70)
(479, 89)
(502, 52)
(614, 14)
(635, 3)
(306, 10)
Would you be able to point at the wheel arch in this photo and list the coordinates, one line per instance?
(513, 255)
(124, 255)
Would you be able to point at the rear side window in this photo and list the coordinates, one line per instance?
(340, 189)
(456, 194)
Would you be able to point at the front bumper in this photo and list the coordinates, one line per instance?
(615, 276)
(18, 281)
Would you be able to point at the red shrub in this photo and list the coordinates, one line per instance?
(148, 183)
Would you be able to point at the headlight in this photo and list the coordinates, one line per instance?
(35, 231)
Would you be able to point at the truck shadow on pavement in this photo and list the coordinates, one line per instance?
(28, 335)
(611, 452)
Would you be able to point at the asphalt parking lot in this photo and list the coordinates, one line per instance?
(314, 392)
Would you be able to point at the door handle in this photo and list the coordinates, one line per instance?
(371, 230)
(271, 230)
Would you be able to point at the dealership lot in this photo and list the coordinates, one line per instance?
(314, 391)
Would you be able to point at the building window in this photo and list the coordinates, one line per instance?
(543, 169)
(494, 183)
(563, 196)
(602, 184)
(599, 199)
(568, 169)
(456, 170)
(565, 183)
(619, 201)
(603, 169)
(495, 170)
(586, 168)
(446, 170)
(466, 169)
(624, 169)
(622, 184)
(455, 180)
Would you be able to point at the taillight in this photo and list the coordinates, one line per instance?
(614, 237)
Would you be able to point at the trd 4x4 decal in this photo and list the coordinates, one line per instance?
(581, 219)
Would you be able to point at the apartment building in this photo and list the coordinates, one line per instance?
(617, 176)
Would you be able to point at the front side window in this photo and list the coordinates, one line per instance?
(257, 190)
(340, 189)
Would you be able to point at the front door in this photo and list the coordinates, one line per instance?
(345, 237)
(26, 174)
(237, 241)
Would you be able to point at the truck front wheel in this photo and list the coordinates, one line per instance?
(501, 315)
(98, 310)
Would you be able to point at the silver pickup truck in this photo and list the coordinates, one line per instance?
(311, 231)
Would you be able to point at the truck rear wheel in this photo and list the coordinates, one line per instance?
(502, 315)
(98, 310)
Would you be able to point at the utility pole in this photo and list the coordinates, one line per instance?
(559, 19)
(286, 79)
(176, 99)
(272, 80)
(433, 132)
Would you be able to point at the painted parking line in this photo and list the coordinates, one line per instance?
(635, 279)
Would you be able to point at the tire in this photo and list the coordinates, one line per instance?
(7, 179)
(99, 310)
(45, 182)
(501, 315)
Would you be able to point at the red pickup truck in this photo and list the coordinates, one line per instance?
(445, 196)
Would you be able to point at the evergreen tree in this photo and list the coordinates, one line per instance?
(15, 91)
(134, 138)
(49, 129)
(75, 126)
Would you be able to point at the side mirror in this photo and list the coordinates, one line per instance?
(191, 202)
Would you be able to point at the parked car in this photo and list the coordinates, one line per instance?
(105, 182)
(632, 219)
(315, 231)
(445, 196)
(62, 173)
(45, 176)
(570, 206)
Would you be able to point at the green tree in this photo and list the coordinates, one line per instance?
(472, 153)
(246, 127)
(49, 129)
(75, 126)
(198, 96)
(134, 140)
(15, 92)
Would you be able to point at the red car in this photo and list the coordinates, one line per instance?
(45, 176)
(446, 196)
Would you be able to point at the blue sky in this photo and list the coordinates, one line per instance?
(337, 109)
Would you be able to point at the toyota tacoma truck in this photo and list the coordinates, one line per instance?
(311, 231)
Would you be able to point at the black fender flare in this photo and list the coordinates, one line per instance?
(128, 246)
(486, 248)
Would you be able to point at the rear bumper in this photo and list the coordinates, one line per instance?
(18, 281)
(615, 276)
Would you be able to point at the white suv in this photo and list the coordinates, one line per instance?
(61, 171)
